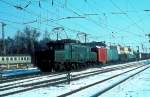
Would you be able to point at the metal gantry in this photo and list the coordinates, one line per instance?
(83, 34)
(57, 30)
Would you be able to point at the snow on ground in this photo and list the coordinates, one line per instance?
(137, 86)
(91, 91)
(53, 91)
(8, 73)
(48, 77)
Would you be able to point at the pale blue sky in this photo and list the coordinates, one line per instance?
(125, 18)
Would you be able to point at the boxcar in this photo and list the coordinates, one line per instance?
(101, 54)
(112, 54)
(131, 57)
(144, 56)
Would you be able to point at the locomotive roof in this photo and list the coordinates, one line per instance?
(62, 42)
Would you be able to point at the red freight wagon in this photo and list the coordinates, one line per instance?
(101, 54)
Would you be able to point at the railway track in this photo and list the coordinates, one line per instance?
(39, 77)
(15, 78)
(27, 85)
(73, 92)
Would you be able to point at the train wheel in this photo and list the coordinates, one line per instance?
(73, 66)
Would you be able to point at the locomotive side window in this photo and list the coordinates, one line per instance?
(27, 58)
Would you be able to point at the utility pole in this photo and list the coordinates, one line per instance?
(138, 53)
(3, 39)
(148, 36)
(142, 47)
(85, 37)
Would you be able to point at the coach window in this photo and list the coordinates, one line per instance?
(2, 59)
(27, 58)
(22, 58)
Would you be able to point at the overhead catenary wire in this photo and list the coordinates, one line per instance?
(71, 17)
(110, 27)
(74, 29)
(95, 22)
(118, 13)
(31, 13)
(78, 14)
(128, 31)
(127, 16)
(18, 23)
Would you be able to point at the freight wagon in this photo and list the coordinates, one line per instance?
(123, 53)
(112, 54)
(131, 57)
(144, 55)
(101, 54)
